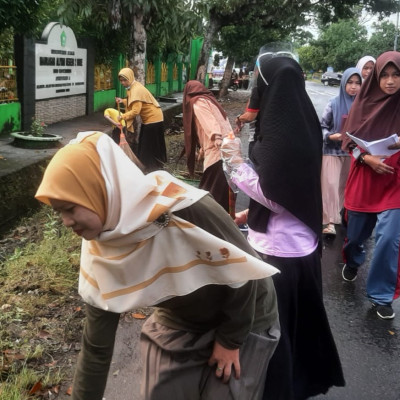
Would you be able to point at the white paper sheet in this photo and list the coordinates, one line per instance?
(377, 147)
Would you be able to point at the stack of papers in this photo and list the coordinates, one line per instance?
(377, 147)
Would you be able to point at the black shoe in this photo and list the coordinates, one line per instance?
(384, 311)
(243, 227)
(349, 274)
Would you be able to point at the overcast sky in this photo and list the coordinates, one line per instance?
(370, 19)
(367, 19)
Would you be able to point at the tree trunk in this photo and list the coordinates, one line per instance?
(137, 57)
(202, 65)
(227, 77)
(137, 46)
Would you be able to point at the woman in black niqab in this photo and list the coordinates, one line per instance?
(288, 153)
(285, 228)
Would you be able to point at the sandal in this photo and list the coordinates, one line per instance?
(329, 230)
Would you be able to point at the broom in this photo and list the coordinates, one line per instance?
(126, 148)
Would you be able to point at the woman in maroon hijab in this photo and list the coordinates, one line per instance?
(372, 194)
(205, 124)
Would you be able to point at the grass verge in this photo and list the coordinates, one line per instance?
(40, 312)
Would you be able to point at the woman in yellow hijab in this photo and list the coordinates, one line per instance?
(139, 101)
(153, 240)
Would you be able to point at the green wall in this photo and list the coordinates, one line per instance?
(195, 49)
(118, 64)
(10, 117)
(164, 88)
(152, 87)
(104, 99)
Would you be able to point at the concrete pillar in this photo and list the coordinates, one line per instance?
(24, 52)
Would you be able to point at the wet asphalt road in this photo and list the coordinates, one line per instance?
(369, 347)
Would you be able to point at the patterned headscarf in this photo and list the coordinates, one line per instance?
(145, 254)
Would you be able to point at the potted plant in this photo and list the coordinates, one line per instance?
(36, 138)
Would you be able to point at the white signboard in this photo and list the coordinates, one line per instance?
(60, 64)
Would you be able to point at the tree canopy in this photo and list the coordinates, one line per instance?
(20, 15)
(27, 17)
(341, 44)
(237, 28)
(230, 23)
(123, 26)
(382, 39)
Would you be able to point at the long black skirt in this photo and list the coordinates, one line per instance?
(152, 150)
(306, 362)
(214, 181)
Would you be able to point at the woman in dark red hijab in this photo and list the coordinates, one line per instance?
(205, 124)
(372, 194)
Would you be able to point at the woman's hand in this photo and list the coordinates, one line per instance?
(218, 142)
(335, 137)
(224, 359)
(395, 146)
(118, 100)
(239, 124)
(241, 217)
(200, 155)
(376, 163)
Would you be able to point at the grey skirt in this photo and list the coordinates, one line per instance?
(176, 365)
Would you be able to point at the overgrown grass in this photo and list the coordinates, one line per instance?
(38, 304)
(13, 388)
(40, 311)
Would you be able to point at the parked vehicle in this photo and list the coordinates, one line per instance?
(331, 78)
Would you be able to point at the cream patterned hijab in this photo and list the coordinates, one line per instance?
(145, 254)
